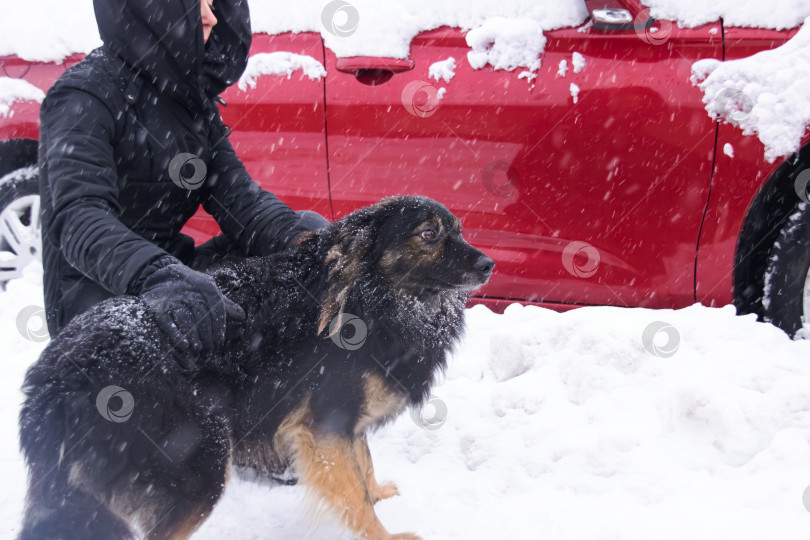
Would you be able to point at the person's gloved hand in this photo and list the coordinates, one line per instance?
(311, 222)
(189, 308)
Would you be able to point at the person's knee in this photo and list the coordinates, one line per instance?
(312, 220)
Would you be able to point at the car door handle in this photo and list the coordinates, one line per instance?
(354, 63)
(373, 70)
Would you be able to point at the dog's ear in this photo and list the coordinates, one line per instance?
(347, 260)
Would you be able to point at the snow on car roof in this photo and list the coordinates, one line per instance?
(50, 30)
(776, 14)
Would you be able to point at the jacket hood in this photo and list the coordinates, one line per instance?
(163, 39)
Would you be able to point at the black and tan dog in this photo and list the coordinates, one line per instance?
(343, 334)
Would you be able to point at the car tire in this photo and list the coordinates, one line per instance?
(20, 230)
(786, 291)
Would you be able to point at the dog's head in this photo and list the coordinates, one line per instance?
(413, 243)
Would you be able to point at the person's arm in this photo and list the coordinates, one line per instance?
(77, 131)
(255, 219)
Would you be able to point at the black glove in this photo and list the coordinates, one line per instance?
(189, 308)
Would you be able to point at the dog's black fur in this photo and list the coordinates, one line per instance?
(279, 393)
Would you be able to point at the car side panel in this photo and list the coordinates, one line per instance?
(735, 183)
(624, 170)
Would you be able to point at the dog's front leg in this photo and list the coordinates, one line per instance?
(328, 465)
(375, 491)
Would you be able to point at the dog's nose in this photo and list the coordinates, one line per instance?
(484, 264)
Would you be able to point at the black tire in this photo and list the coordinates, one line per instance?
(783, 300)
(18, 189)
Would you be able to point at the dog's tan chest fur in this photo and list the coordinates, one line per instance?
(380, 405)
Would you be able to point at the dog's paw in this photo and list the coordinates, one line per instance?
(405, 536)
(386, 491)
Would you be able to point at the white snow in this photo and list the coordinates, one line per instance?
(279, 63)
(778, 14)
(50, 30)
(556, 422)
(443, 70)
(47, 30)
(530, 76)
(12, 90)
(764, 94)
(563, 68)
(574, 92)
(441, 92)
(578, 61)
(506, 44)
(374, 28)
(728, 150)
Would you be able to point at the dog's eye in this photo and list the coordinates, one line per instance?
(429, 234)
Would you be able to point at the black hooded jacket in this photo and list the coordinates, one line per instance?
(109, 130)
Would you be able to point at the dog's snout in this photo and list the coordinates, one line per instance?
(484, 264)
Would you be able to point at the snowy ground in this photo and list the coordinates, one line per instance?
(558, 426)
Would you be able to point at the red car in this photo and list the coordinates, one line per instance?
(613, 190)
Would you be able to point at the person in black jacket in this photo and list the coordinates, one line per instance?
(131, 143)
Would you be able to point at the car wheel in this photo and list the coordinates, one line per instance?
(786, 296)
(20, 232)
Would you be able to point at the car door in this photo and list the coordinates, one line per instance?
(586, 184)
(277, 126)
